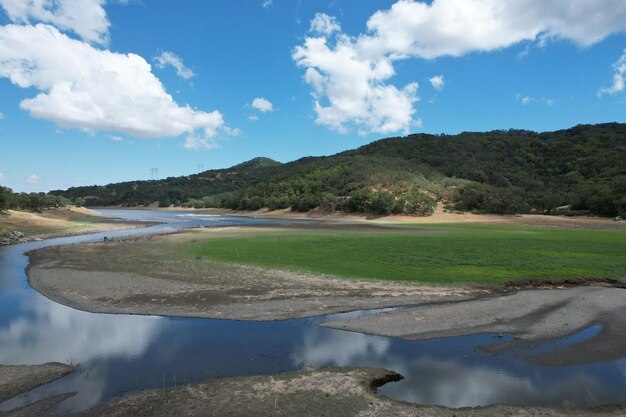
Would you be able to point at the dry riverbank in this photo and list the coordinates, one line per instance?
(438, 217)
(344, 392)
(325, 392)
(533, 317)
(55, 223)
(17, 379)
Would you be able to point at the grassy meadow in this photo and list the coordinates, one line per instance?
(433, 254)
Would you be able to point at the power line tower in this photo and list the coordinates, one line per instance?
(154, 173)
(200, 168)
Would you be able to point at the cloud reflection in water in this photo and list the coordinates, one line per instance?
(47, 331)
(452, 376)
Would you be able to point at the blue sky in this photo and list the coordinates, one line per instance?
(90, 92)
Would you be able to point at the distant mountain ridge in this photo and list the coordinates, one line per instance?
(578, 170)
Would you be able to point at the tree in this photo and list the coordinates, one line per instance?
(5, 197)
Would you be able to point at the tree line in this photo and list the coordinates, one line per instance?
(30, 201)
(581, 170)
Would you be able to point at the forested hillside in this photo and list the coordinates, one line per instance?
(578, 170)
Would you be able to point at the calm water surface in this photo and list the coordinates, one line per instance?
(116, 354)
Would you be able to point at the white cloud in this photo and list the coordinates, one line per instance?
(618, 77)
(527, 100)
(266, 4)
(115, 138)
(2, 176)
(86, 18)
(349, 88)
(169, 58)
(33, 179)
(262, 104)
(196, 143)
(324, 24)
(100, 90)
(437, 82)
(457, 27)
(253, 118)
(350, 75)
(2, 116)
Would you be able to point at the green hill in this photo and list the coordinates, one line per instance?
(578, 170)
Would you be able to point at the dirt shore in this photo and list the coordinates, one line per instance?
(17, 379)
(323, 392)
(439, 217)
(55, 223)
(533, 317)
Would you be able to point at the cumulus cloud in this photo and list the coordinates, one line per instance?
(457, 27)
(253, 118)
(350, 75)
(324, 24)
(86, 18)
(262, 105)
(618, 77)
(170, 59)
(33, 179)
(349, 87)
(100, 90)
(437, 82)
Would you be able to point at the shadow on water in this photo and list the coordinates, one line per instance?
(116, 354)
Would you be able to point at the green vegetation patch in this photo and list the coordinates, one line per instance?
(436, 254)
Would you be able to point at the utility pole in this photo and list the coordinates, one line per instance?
(154, 173)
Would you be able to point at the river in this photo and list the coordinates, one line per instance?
(116, 354)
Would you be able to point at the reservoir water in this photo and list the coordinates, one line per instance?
(116, 354)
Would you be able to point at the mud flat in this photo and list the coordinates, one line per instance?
(17, 379)
(534, 317)
(131, 278)
(323, 392)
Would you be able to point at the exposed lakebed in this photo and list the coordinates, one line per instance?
(117, 354)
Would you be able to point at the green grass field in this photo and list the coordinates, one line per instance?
(434, 254)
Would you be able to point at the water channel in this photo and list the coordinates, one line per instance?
(116, 354)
